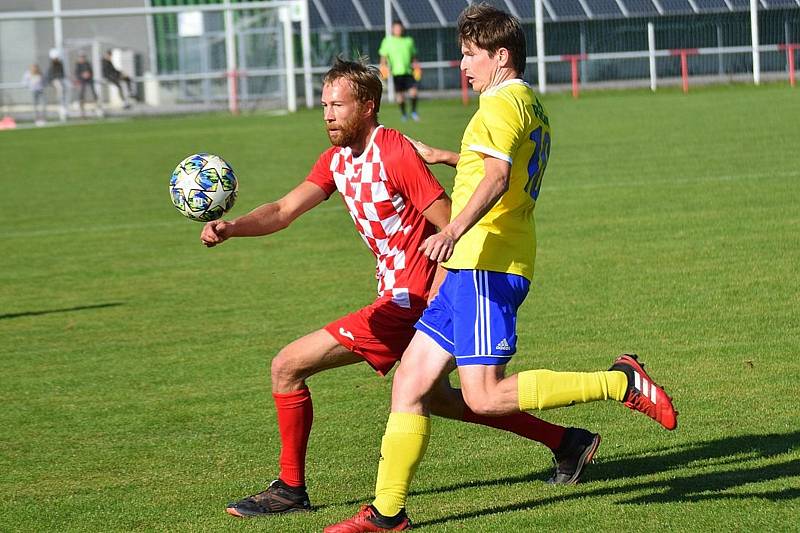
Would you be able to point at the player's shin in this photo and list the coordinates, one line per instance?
(545, 389)
(402, 449)
(295, 416)
(523, 424)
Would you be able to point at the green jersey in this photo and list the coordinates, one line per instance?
(400, 51)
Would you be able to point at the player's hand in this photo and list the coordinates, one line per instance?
(427, 153)
(215, 232)
(384, 70)
(438, 247)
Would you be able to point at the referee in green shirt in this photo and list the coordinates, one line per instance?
(399, 54)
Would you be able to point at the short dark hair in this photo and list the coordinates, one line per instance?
(486, 27)
(364, 80)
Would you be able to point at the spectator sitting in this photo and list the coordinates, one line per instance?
(114, 76)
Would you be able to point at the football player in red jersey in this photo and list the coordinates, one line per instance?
(396, 204)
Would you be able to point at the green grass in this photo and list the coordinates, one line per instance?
(134, 378)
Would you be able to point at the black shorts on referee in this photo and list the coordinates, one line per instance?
(404, 82)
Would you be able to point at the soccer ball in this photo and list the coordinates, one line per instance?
(203, 187)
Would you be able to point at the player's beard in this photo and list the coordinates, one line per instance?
(349, 131)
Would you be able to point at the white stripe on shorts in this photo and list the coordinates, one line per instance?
(437, 332)
(488, 314)
(473, 356)
(477, 311)
(483, 330)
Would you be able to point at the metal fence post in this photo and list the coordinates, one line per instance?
(387, 22)
(754, 38)
(542, 71)
(230, 60)
(651, 48)
(288, 49)
(58, 29)
(305, 39)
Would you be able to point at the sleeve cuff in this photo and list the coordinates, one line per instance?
(491, 152)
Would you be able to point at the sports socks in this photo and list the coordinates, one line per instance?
(414, 104)
(295, 415)
(545, 389)
(402, 449)
(523, 424)
(402, 108)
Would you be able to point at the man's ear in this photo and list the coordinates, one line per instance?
(503, 57)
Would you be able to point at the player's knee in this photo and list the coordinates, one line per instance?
(404, 383)
(284, 370)
(480, 402)
(407, 392)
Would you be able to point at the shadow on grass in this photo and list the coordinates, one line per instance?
(733, 452)
(63, 310)
(736, 454)
(695, 488)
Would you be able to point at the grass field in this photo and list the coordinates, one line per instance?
(134, 379)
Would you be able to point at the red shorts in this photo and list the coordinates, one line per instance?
(379, 332)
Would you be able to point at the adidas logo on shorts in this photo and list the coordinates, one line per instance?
(503, 345)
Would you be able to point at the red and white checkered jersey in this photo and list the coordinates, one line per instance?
(386, 189)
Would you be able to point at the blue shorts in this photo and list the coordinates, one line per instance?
(474, 316)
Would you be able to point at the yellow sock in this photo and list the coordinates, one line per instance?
(545, 389)
(402, 449)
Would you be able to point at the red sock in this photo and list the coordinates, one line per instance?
(523, 424)
(295, 414)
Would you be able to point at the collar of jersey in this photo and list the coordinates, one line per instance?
(506, 83)
(361, 157)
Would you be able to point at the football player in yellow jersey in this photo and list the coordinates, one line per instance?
(488, 249)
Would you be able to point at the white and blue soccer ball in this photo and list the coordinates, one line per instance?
(203, 187)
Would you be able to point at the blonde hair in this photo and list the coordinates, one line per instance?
(364, 80)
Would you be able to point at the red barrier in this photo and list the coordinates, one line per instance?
(464, 84)
(684, 53)
(790, 48)
(574, 59)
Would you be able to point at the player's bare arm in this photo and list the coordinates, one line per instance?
(434, 156)
(267, 218)
(438, 213)
(439, 247)
(438, 279)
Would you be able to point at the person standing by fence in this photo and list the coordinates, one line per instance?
(55, 76)
(85, 76)
(34, 80)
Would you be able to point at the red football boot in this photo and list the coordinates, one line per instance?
(369, 519)
(644, 395)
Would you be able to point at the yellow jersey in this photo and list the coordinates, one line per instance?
(511, 125)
